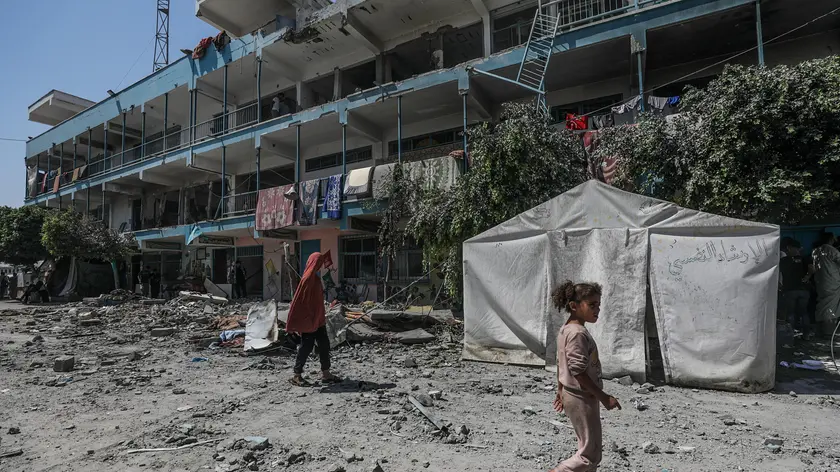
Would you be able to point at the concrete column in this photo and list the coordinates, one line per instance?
(337, 84)
(381, 66)
(305, 96)
(389, 73)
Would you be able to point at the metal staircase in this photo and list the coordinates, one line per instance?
(538, 52)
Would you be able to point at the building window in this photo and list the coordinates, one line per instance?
(408, 265)
(358, 259)
(334, 160)
(598, 106)
(427, 141)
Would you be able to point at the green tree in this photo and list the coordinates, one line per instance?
(20, 235)
(517, 164)
(70, 234)
(756, 143)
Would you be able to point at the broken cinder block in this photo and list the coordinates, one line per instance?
(64, 364)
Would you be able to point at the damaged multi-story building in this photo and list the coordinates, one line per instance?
(301, 91)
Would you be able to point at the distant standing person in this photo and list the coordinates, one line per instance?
(795, 290)
(579, 384)
(241, 278)
(4, 285)
(307, 318)
(13, 286)
(827, 277)
(144, 278)
(154, 281)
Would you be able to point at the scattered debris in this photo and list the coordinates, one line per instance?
(429, 416)
(164, 449)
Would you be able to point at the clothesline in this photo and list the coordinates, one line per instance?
(622, 114)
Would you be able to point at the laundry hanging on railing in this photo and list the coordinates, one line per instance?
(221, 40)
(626, 113)
(664, 106)
(307, 214)
(601, 121)
(332, 203)
(274, 210)
(199, 50)
(576, 122)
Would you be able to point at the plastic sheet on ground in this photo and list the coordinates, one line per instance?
(261, 327)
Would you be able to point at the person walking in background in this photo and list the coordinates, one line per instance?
(241, 279)
(154, 282)
(579, 384)
(307, 318)
(13, 286)
(144, 277)
(795, 290)
(827, 278)
(4, 285)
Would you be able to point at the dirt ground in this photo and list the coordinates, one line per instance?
(131, 391)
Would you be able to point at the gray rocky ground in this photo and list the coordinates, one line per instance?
(130, 391)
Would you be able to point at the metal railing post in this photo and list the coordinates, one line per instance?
(297, 153)
(259, 90)
(122, 152)
(224, 179)
(258, 169)
(399, 129)
(143, 135)
(104, 145)
(759, 33)
(224, 101)
(165, 119)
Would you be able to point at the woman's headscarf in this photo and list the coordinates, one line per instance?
(306, 313)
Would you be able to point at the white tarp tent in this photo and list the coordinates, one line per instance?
(713, 281)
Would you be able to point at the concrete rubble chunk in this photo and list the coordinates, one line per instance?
(296, 456)
(336, 468)
(650, 448)
(415, 336)
(626, 380)
(90, 322)
(257, 443)
(162, 332)
(203, 297)
(153, 301)
(774, 441)
(425, 400)
(64, 364)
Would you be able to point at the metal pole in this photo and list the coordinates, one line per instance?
(343, 150)
(60, 167)
(224, 177)
(258, 170)
(641, 82)
(49, 160)
(87, 202)
(90, 147)
(759, 33)
(297, 153)
(224, 100)
(102, 205)
(122, 152)
(75, 149)
(259, 89)
(142, 135)
(399, 129)
(194, 113)
(104, 145)
(165, 118)
(464, 132)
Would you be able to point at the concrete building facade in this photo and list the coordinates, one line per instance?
(303, 90)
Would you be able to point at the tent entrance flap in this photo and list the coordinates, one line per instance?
(616, 258)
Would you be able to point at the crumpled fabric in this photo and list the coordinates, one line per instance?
(827, 264)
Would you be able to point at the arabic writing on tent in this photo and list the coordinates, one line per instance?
(718, 252)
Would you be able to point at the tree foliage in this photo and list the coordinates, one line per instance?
(70, 234)
(20, 235)
(756, 143)
(517, 164)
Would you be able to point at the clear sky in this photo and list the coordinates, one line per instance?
(82, 47)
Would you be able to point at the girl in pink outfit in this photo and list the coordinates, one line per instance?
(579, 387)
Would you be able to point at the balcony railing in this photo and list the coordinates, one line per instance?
(572, 14)
(240, 204)
(222, 124)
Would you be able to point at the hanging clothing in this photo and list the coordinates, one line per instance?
(57, 183)
(627, 112)
(306, 312)
(657, 103)
(674, 101)
(221, 40)
(274, 210)
(199, 50)
(308, 206)
(601, 121)
(576, 122)
(332, 204)
(827, 277)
